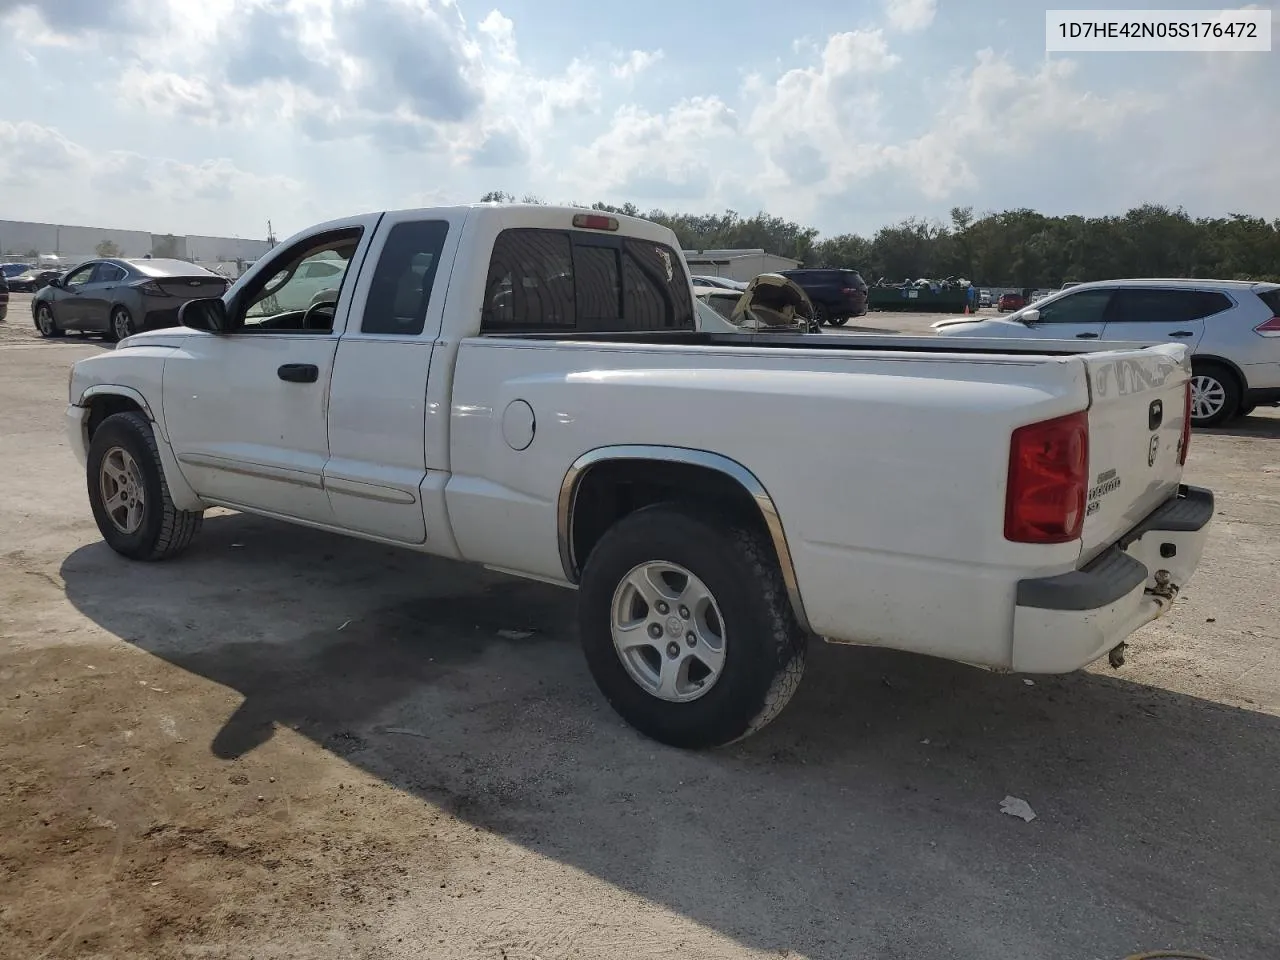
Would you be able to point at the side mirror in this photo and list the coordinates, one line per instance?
(208, 314)
(1030, 317)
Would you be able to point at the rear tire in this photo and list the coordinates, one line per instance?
(820, 314)
(1215, 394)
(761, 646)
(839, 321)
(128, 493)
(121, 325)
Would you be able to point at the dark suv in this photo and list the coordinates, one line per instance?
(837, 295)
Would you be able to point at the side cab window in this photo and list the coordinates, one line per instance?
(286, 298)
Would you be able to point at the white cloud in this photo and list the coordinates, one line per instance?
(402, 74)
(996, 109)
(39, 165)
(650, 156)
(636, 63)
(910, 15)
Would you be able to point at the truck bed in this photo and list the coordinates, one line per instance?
(871, 342)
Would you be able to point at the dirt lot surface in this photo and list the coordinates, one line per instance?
(292, 745)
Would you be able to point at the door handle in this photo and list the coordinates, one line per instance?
(299, 372)
(1086, 336)
(1182, 333)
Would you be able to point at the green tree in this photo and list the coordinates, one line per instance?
(107, 248)
(167, 246)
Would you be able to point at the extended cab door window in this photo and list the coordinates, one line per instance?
(547, 281)
(400, 291)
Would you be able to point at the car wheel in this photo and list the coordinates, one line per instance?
(45, 323)
(1246, 409)
(820, 314)
(1215, 394)
(128, 493)
(839, 321)
(687, 628)
(122, 324)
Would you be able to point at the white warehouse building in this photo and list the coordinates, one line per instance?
(743, 265)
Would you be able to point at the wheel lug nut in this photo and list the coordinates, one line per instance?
(691, 639)
(655, 630)
(673, 650)
(684, 612)
(663, 608)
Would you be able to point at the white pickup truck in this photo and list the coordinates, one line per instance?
(525, 388)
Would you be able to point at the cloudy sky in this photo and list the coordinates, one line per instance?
(213, 116)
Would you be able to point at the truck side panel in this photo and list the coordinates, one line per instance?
(914, 449)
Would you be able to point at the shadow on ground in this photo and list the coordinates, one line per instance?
(1254, 425)
(864, 822)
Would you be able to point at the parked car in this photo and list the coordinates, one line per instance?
(12, 270)
(984, 298)
(310, 282)
(1230, 327)
(1010, 301)
(36, 278)
(770, 303)
(118, 297)
(4, 297)
(583, 432)
(837, 295)
(724, 283)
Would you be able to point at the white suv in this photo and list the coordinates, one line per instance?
(1232, 328)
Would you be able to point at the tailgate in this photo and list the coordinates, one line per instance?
(1136, 412)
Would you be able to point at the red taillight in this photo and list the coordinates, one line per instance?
(1269, 329)
(1048, 480)
(592, 221)
(1185, 441)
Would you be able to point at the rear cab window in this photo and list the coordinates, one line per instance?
(571, 281)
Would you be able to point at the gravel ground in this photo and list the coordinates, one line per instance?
(289, 744)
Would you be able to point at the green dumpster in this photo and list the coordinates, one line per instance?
(918, 299)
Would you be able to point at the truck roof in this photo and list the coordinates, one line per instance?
(515, 215)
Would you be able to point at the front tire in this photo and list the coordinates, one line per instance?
(1215, 394)
(839, 321)
(45, 322)
(820, 314)
(687, 628)
(129, 495)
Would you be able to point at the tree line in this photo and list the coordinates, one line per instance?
(1013, 248)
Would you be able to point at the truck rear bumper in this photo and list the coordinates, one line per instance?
(1065, 622)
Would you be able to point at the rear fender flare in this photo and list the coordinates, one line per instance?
(696, 458)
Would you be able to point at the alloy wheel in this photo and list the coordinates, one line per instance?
(1208, 396)
(668, 631)
(122, 489)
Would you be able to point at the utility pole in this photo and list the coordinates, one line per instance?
(271, 237)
